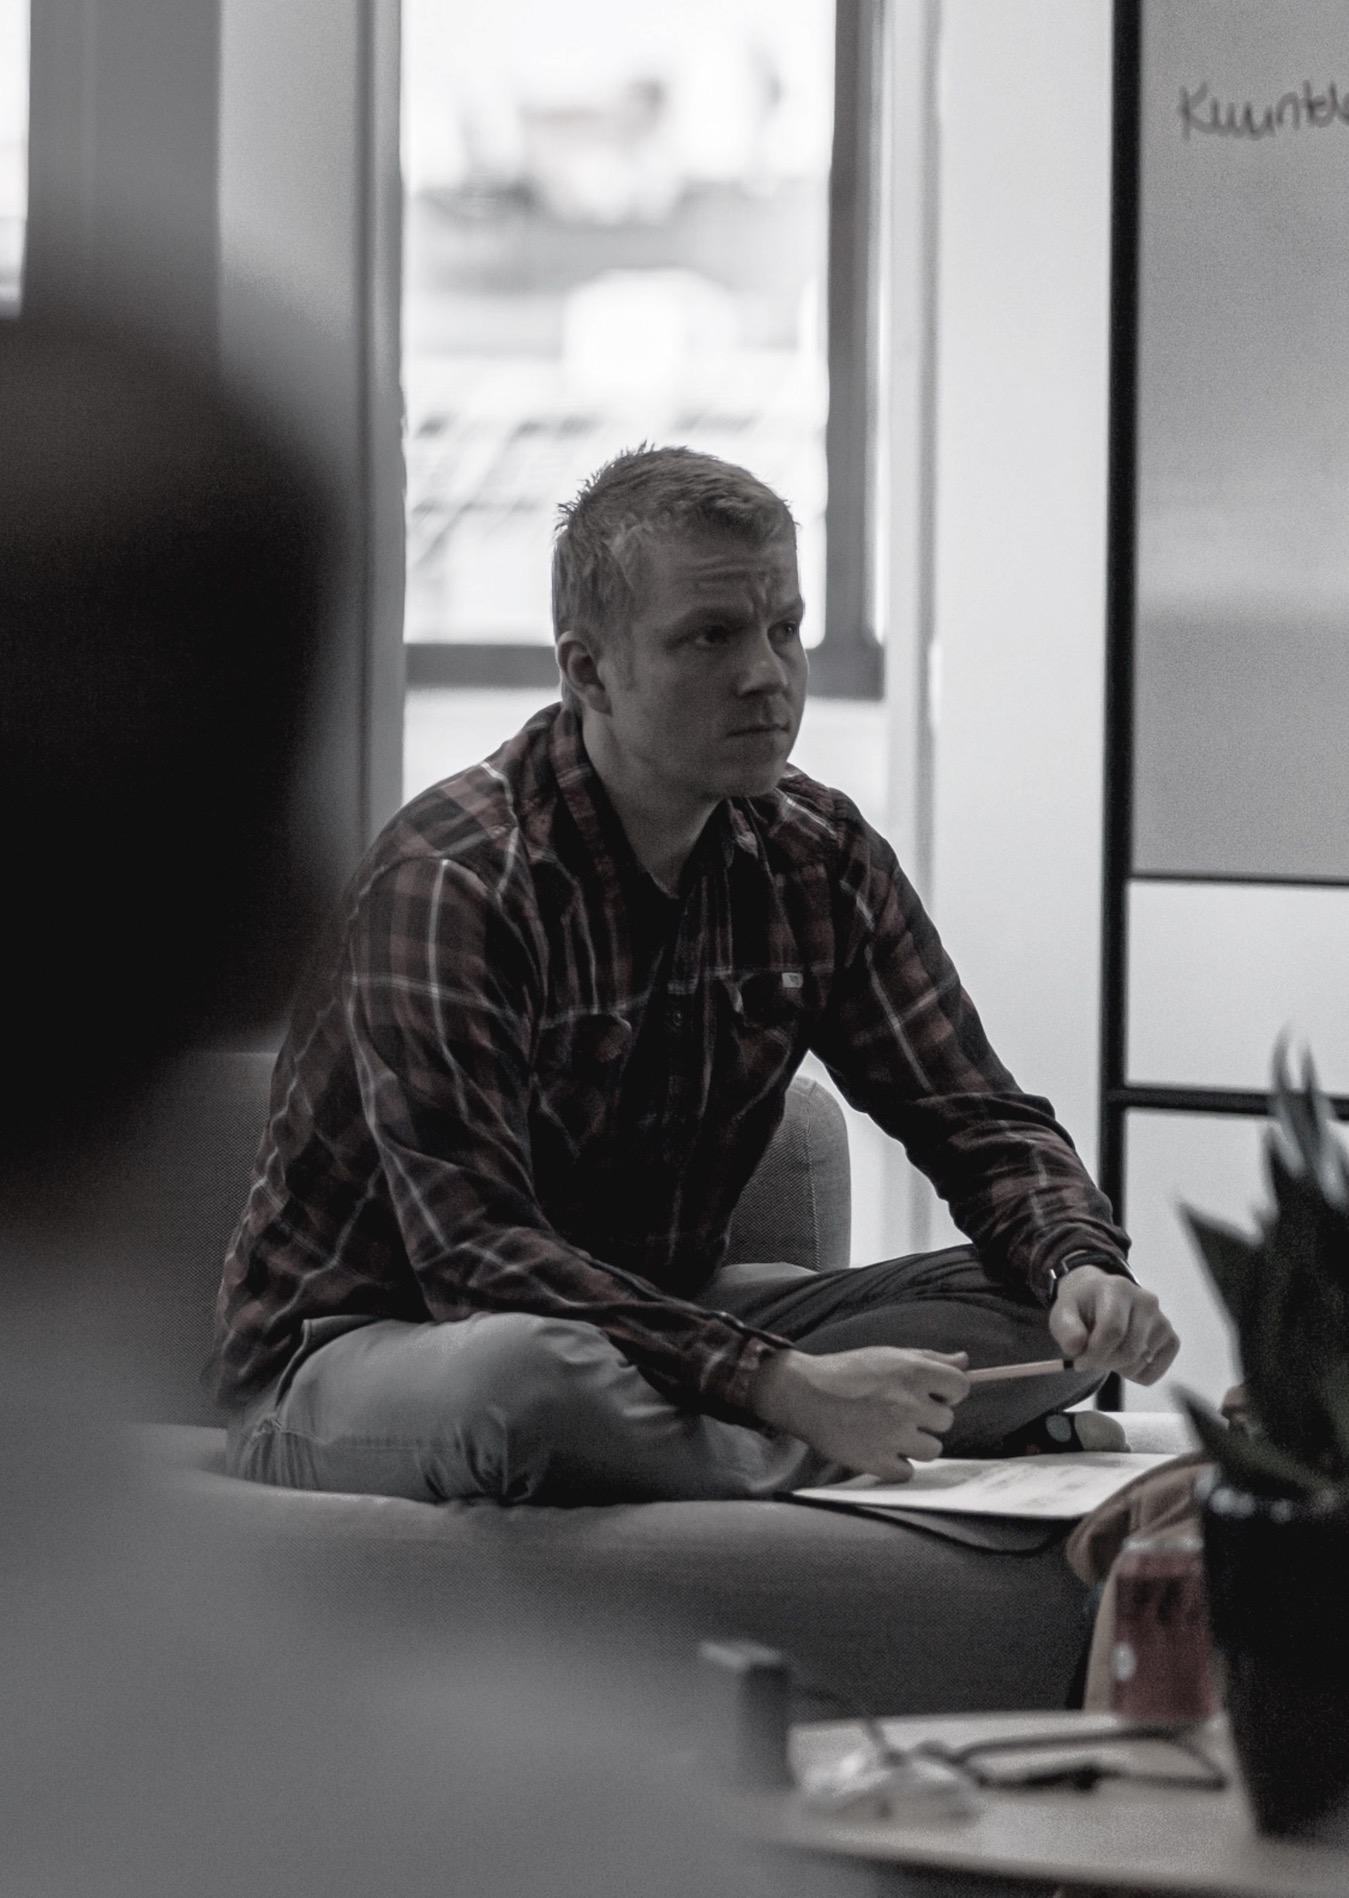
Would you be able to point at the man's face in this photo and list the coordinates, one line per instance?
(707, 684)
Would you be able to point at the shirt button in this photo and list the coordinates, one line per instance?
(676, 1018)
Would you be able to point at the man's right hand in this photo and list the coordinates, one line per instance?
(872, 1410)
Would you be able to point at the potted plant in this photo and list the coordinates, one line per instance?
(1276, 1509)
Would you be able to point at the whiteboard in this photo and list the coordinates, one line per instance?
(1241, 760)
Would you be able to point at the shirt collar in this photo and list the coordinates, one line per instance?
(586, 798)
(743, 834)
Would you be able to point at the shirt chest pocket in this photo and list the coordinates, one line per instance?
(578, 1069)
(761, 1028)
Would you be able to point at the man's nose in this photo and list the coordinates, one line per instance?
(765, 668)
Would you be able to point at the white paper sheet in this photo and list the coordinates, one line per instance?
(1035, 1488)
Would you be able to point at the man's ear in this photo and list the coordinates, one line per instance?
(580, 671)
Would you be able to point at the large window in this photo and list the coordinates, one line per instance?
(617, 231)
(13, 148)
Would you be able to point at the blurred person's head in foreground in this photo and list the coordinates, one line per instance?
(188, 1705)
(162, 562)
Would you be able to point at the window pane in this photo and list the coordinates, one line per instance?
(1218, 971)
(1213, 1165)
(13, 148)
(615, 232)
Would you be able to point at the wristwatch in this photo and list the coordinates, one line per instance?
(1070, 1262)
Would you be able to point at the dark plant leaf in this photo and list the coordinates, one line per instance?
(1249, 1461)
(1303, 1144)
(1214, 1432)
(1288, 1294)
(1296, 1329)
(1233, 1262)
(1335, 1396)
(1271, 1352)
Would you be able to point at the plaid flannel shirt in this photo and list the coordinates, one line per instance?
(520, 1077)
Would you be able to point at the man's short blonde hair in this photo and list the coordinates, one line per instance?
(642, 495)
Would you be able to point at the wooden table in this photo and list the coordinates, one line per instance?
(1119, 1837)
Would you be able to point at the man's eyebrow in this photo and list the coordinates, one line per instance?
(792, 608)
(700, 611)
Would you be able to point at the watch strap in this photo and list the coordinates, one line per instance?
(1070, 1262)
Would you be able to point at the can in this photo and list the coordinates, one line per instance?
(1161, 1665)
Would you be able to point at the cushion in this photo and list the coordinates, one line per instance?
(884, 1616)
(798, 1204)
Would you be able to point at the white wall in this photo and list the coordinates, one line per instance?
(1019, 492)
(994, 411)
(1022, 335)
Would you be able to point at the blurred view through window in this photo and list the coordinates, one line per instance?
(13, 148)
(616, 227)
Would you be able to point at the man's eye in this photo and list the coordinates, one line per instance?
(787, 630)
(711, 636)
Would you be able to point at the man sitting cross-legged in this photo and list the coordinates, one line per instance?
(548, 1041)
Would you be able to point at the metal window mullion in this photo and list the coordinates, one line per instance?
(847, 663)
(1120, 594)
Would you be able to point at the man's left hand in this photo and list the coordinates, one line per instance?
(1103, 1322)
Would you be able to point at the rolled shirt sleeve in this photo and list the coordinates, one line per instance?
(906, 1045)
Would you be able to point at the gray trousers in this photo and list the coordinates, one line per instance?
(545, 1410)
